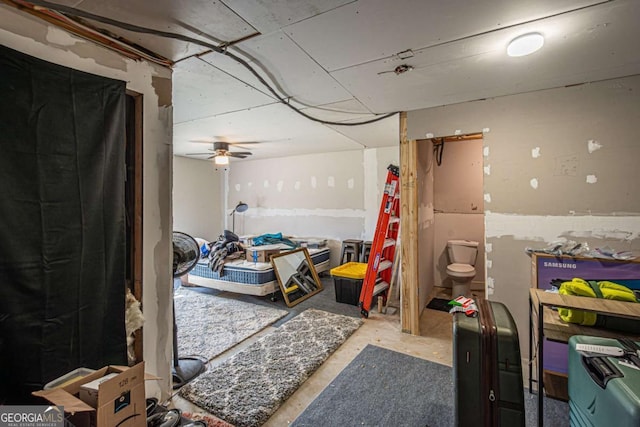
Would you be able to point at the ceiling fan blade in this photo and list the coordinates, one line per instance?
(244, 153)
(238, 155)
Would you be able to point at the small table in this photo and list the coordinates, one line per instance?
(548, 324)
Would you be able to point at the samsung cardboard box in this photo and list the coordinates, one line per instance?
(116, 401)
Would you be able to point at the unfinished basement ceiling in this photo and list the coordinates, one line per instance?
(335, 60)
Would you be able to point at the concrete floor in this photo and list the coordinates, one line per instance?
(382, 330)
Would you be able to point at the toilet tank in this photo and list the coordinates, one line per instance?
(462, 251)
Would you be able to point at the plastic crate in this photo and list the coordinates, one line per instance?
(69, 377)
(347, 280)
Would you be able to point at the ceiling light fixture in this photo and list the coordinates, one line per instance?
(221, 160)
(525, 44)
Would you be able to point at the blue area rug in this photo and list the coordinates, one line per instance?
(381, 387)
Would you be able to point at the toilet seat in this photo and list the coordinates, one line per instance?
(461, 270)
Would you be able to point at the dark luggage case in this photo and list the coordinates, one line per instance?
(604, 390)
(487, 368)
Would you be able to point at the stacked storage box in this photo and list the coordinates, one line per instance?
(347, 280)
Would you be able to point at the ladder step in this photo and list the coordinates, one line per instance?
(388, 242)
(384, 265)
(380, 287)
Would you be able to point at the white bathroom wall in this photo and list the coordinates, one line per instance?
(458, 205)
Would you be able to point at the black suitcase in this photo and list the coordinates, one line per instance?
(487, 369)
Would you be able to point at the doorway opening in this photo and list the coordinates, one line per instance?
(458, 205)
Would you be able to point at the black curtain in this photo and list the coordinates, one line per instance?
(62, 222)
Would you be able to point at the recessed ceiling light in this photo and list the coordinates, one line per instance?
(525, 44)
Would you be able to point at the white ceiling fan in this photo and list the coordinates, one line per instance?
(221, 152)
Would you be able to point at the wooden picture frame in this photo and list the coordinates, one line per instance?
(297, 276)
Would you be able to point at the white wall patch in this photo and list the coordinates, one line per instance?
(249, 184)
(314, 182)
(351, 183)
(486, 130)
(491, 284)
(429, 135)
(61, 38)
(485, 151)
(535, 153)
(539, 228)
(592, 179)
(280, 186)
(487, 170)
(331, 182)
(265, 184)
(593, 145)
(487, 197)
(488, 247)
(489, 263)
(457, 132)
(238, 187)
(534, 183)
(296, 185)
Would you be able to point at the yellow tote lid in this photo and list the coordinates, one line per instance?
(350, 270)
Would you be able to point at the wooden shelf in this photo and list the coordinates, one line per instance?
(555, 329)
(556, 385)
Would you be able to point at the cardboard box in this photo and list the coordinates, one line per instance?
(121, 399)
(89, 391)
(258, 254)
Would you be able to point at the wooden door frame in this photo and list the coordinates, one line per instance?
(135, 258)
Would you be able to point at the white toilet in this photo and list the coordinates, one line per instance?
(462, 255)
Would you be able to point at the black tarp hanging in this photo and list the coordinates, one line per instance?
(62, 222)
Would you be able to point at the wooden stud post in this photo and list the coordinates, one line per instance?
(409, 311)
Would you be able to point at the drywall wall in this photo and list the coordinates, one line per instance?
(332, 195)
(558, 164)
(34, 37)
(426, 222)
(197, 198)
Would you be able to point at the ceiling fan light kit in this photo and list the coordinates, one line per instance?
(221, 160)
(220, 153)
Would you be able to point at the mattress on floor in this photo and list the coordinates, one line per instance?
(251, 273)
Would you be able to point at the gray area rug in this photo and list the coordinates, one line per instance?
(208, 325)
(385, 388)
(247, 388)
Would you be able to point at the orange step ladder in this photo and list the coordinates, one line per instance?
(379, 271)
